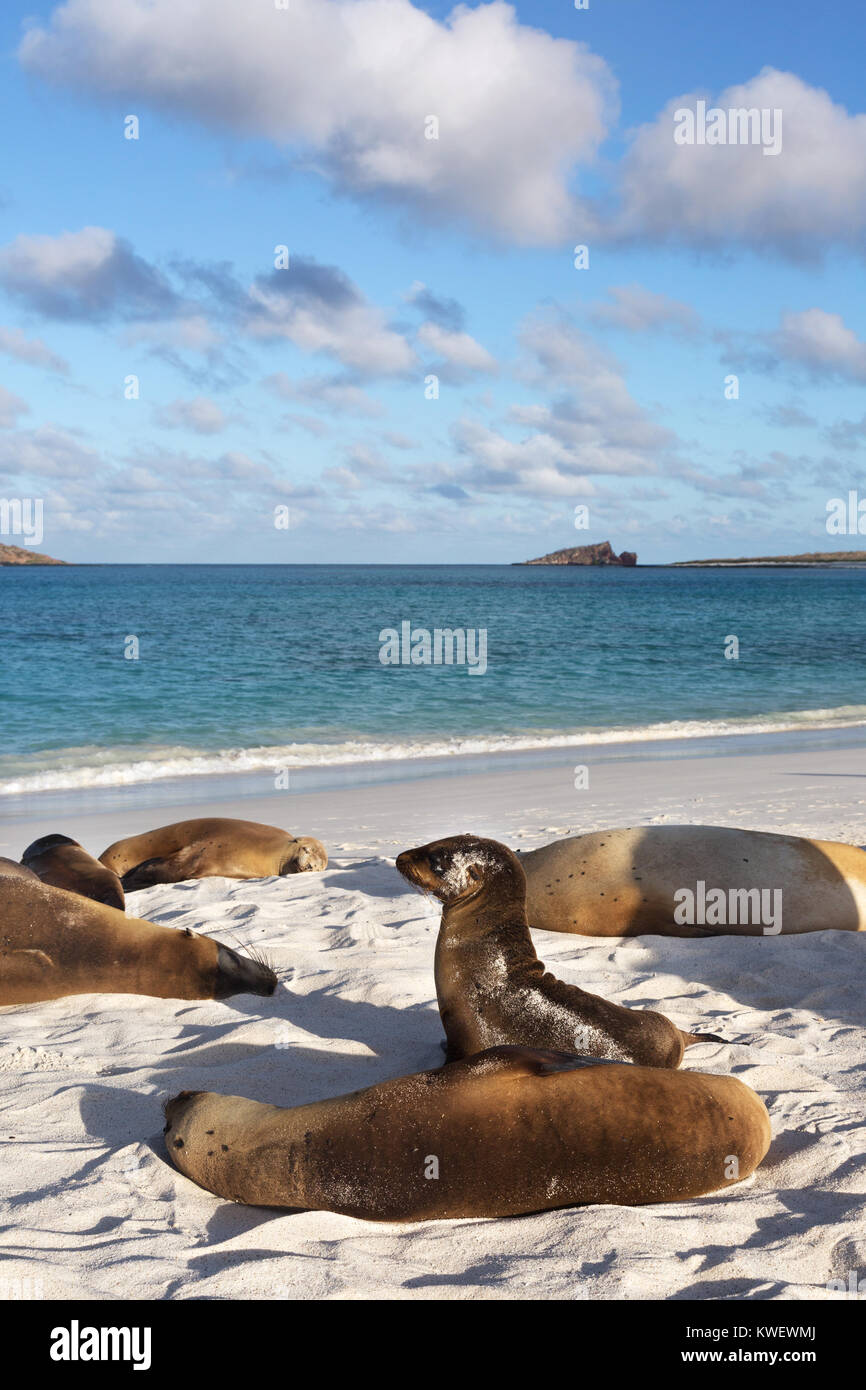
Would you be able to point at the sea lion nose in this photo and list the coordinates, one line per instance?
(240, 975)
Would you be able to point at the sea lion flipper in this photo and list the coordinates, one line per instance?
(167, 868)
(144, 874)
(692, 1038)
(24, 967)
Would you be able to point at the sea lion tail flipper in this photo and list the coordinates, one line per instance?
(692, 1038)
(147, 872)
(167, 868)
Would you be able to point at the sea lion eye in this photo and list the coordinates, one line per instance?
(437, 862)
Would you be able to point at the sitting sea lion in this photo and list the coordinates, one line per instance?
(490, 984)
(695, 880)
(54, 943)
(209, 848)
(511, 1130)
(63, 863)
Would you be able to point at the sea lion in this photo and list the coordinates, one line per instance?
(209, 848)
(490, 984)
(54, 943)
(63, 863)
(648, 879)
(10, 868)
(511, 1130)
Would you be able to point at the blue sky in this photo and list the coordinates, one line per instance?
(304, 386)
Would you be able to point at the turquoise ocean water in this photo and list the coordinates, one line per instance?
(247, 667)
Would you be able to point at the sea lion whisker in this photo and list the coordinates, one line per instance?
(250, 952)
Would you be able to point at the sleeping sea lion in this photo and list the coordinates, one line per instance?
(212, 847)
(10, 868)
(54, 943)
(63, 863)
(695, 880)
(511, 1130)
(490, 984)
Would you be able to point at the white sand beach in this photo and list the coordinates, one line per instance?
(90, 1206)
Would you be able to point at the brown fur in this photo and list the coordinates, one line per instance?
(511, 1130)
(490, 984)
(54, 943)
(63, 863)
(211, 847)
(10, 868)
(622, 882)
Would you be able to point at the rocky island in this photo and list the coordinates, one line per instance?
(601, 554)
(16, 555)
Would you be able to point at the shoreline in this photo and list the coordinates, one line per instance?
(534, 798)
(461, 759)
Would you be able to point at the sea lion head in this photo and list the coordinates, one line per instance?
(308, 855)
(460, 866)
(238, 974)
(45, 843)
(176, 1107)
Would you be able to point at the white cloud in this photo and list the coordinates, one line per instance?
(91, 275)
(812, 193)
(199, 414)
(814, 340)
(190, 332)
(31, 350)
(639, 310)
(368, 462)
(343, 478)
(823, 344)
(351, 83)
(388, 519)
(595, 408)
(458, 351)
(319, 309)
(847, 434)
(11, 406)
(538, 464)
(310, 423)
(592, 426)
(48, 452)
(338, 394)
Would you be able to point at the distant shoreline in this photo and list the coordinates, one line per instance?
(855, 557)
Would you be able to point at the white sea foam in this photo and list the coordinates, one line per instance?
(70, 768)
